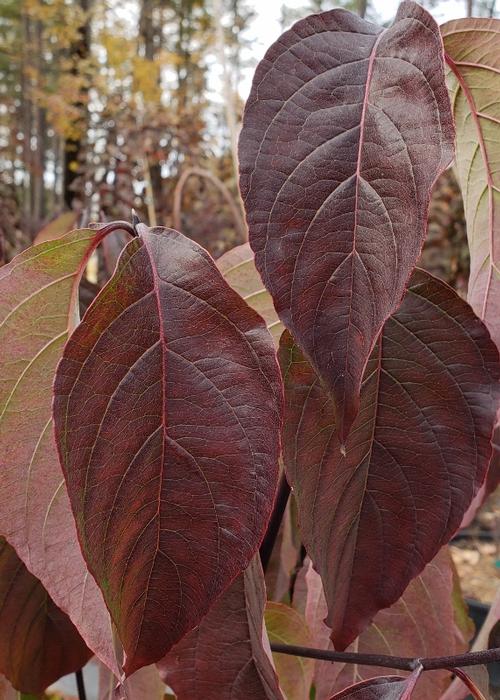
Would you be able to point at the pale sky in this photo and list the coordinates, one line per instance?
(265, 28)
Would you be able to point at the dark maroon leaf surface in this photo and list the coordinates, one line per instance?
(345, 130)
(381, 688)
(417, 453)
(167, 418)
(38, 643)
(226, 657)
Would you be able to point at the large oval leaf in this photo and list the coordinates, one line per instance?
(167, 415)
(345, 130)
(38, 307)
(38, 643)
(473, 54)
(227, 657)
(417, 454)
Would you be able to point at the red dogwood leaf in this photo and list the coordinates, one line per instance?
(417, 453)
(345, 131)
(473, 55)
(381, 688)
(39, 643)
(167, 417)
(425, 621)
(227, 656)
(38, 309)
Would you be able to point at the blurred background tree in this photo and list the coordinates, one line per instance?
(108, 105)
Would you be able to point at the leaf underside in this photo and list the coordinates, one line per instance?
(237, 266)
(167, 417)
(286, 626)
(418, 452)
(473, 53)
(345, 131)
(39, 644)
(381, 688)
(38, 307)
(226, 657)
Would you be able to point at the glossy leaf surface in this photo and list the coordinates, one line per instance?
(227, 657)
(39, 643)
(418, 452)
(424, 622)
(167, 414)
(381, 688)
(38, 307)
(473, 52)
(286, 626)
(345, 130)
(238, 269)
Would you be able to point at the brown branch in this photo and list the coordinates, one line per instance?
(201, 172)
(403, 663)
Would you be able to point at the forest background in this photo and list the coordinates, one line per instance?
(109, 105)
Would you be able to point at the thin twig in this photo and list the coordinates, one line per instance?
(403, 663)
(80, 685)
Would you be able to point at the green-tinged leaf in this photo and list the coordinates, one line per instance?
(38, 642)
(238, 269)
(64, 223)
(473, 55)
(38, 307)
(286, 626)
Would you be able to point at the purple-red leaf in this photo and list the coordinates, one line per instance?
(227, 657)
(38, 643)
(167, 414)
(417, 453)
(38, 308)
(428, 620)
(381, 688)
(344, 133)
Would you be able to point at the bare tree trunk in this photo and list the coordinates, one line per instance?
(39, 134)
(227, 90)
(150, 31)
(469, 7)
(79, 52)
(362, 7)
(26, 120)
